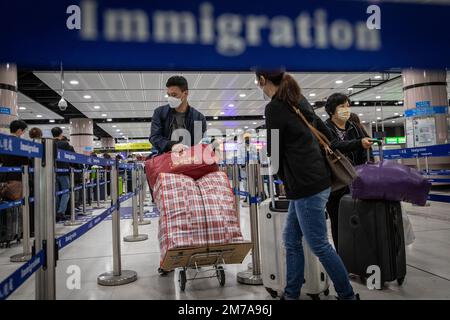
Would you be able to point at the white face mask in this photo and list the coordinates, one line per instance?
(265, 96)
(174, 102)
(343, 114)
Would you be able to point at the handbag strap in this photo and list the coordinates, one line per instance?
(323, 140)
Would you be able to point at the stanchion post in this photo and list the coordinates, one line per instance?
(117, 276)
(237, 197)
(26, 254)
(44, 204)
(142, 196)
(135, 237)
(73, 219)
(105, 178)
(84, 194)
(253, 276)
(97, 188)
(125, 181)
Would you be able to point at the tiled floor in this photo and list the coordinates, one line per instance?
(428, 259)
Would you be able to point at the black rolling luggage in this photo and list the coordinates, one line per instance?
(10, 226)
(371, 234)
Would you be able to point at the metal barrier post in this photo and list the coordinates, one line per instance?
(142, 196)
(253, 276)
(97, 189)
(84, 194)
(105, 178)
(125, 181)
(45, 214)
(118, 276)
(135, 237)
(237, 197)
(26, 255)
(73, 221)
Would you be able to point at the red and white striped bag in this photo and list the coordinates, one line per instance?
(195, 213)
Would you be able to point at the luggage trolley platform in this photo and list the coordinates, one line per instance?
(214, 256)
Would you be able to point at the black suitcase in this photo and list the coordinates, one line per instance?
(10, 226)
(371, 233)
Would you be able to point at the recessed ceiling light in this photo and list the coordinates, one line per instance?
(74, 82)
(377, 77)
(264, 117)
(231, 105)
(121, 133)
(114, 126)
(109, 120)
(245, 127)
(379, 109)
(356, 102)
(364, 121)
(378, 97)
(378, 118)
(215, 118)
(396, 114)
(87, 96)
(104, 115)
(96, 107)
(254, 123)
(242, 95)
(39, 116)
(339, 81)
(222, 113)
(400, 102)
(373, 122)
(118, 130)
(360, 114)
(52, 121)
(350, 89)
(393, 121)
(210, 124)
(63, 127)
(324, 115)
(22, 108)
(312, 94)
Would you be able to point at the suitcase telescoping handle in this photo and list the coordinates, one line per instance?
(380, 149)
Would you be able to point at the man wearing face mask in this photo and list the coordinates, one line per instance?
(351, 141)
(176, 115)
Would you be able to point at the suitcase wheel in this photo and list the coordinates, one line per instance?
(272, 292)
(326, 292)
(220, 275)
(162, 272)
(182, 279)
(400, 281)
(314, 296)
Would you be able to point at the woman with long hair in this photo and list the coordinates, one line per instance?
(306, 176)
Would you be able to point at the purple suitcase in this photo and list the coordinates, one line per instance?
(388, 180)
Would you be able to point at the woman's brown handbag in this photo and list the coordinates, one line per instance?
(11, 190)
(342, 171)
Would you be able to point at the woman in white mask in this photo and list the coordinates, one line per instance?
(351, 141)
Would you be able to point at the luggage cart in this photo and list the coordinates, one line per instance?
(194, 263)
(207, 262)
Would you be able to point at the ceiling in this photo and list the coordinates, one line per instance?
(126, 101)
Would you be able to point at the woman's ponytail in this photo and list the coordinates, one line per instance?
(289, 91)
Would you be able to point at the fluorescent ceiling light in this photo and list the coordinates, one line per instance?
(63, 127)
(378, 118)
(74, 82)
(104, 115)
(231, 105)
(215, 118)
(109, 120)
(350, 89)
(52, 121)
(360, 114)
(245, 127)
(396, 114)
(377, 77)
(114, 126)
(339, 81)
(356, 102)
(324, 115)
(393, 121)
(378, 97)
(379, 109)
(39, 116)
(254, 123)
(22, 108)
(87, 96)
(312, 94)
(118, 130)
(242, 95)
(210, 124)
(222, 113)
(96, 107)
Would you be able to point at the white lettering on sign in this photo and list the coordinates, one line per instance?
(28, 270)
(231, 33)
(71, 237)
(69, 156)
(74, 280)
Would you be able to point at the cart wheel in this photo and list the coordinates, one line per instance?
(400, 281)
(326, 292)
(182, 279)
(221, 275)
(314, 296)
(273, 293)
(162, 273)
